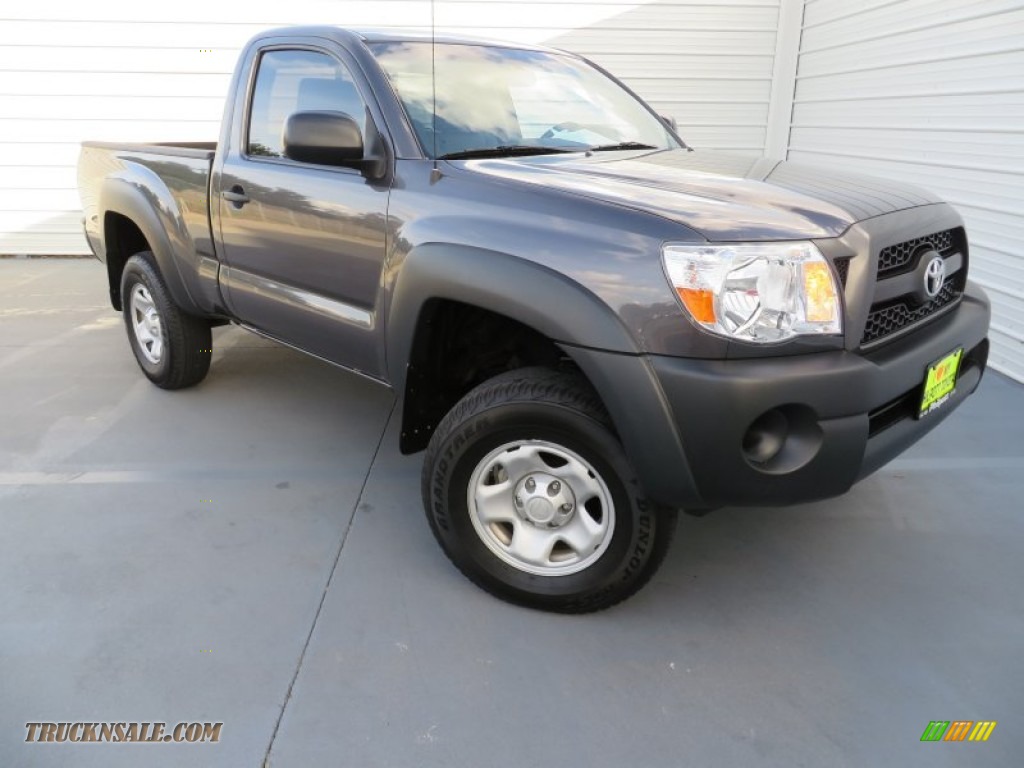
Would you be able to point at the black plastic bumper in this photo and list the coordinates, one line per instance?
(839, 415)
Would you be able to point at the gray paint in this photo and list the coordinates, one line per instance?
(569, 245)
(598, 220)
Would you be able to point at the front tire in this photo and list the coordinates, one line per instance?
(530, 495)
(171, 347)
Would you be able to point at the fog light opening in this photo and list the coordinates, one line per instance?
(783, 439)
(764, 439)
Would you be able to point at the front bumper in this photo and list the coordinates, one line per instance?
(840, 415)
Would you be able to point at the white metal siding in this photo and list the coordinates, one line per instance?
(930, 92)
(133, 71)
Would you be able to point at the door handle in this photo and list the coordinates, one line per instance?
(236, 196)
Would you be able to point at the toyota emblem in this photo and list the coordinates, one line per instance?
(934, 277)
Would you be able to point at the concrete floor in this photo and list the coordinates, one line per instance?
(253, 551)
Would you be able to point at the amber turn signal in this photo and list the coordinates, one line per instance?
(701, 304)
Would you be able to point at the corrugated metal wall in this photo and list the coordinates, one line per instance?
(931, 92)
(131, 71)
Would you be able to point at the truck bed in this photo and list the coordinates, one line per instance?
(196, 149)
(123, 179)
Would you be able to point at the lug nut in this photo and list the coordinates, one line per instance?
(554, 488)
(567, 507)
(531, 484)
(519, 501)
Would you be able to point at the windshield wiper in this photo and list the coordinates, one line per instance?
(507, 150)
(621, 145)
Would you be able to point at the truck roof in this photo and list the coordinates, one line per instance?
(410, 35)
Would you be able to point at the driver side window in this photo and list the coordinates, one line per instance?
(297, 81)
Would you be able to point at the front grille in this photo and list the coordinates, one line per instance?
(899, 258)
(890, 317)
(842, 266)
(899, 313)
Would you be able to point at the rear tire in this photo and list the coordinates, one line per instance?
(171, 347)
(530, 495)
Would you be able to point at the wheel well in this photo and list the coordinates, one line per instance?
(456, 347)
(123, 239)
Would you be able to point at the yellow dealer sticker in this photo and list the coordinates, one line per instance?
(939, 382)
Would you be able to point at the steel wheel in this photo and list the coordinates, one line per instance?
(171, 346)
(146, 324)
(530, 495)
(541, 508)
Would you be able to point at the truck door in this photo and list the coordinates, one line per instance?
(303, 244)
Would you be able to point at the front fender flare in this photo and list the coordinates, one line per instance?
(541, 298)
(565, 312)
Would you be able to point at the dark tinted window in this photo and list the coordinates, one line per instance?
(297, 81)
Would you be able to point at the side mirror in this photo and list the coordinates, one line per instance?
(670, 122)
(333, 138)
(327, 138)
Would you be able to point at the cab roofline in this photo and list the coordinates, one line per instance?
(371, 35)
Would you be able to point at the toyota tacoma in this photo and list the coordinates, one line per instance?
(589, 325)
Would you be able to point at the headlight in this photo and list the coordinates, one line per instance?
(759, 292)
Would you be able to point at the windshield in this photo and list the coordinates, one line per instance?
(514, 101)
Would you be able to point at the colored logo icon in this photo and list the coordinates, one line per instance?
(958, 730)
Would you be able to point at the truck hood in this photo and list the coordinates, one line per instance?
(722, 197)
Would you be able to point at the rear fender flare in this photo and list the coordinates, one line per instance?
(141, 197)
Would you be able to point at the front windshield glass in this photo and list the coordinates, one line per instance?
(511, 100)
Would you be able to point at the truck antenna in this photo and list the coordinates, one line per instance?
(433, 84)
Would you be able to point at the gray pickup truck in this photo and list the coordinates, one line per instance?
(589, 325)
